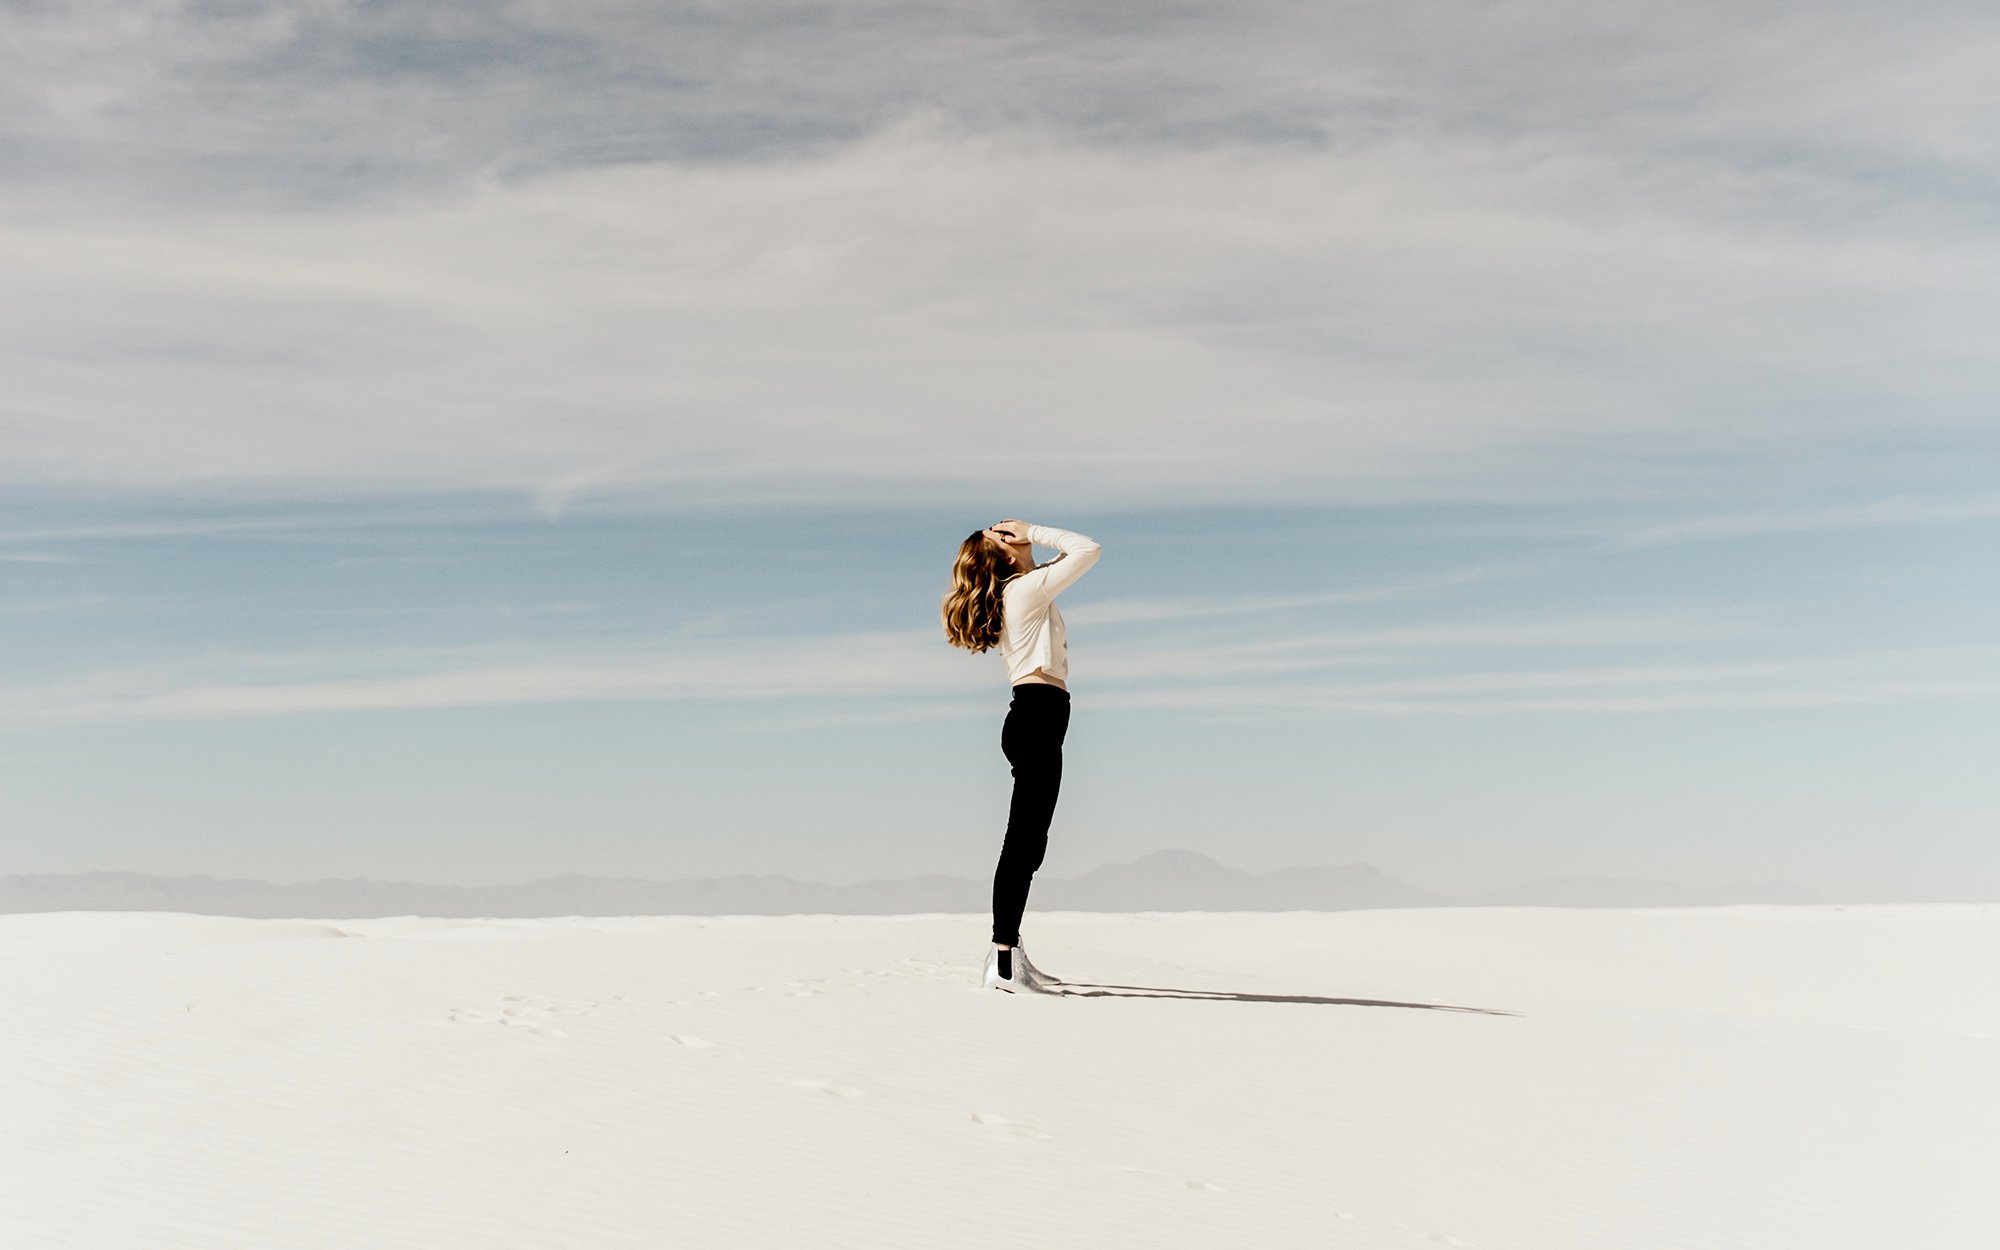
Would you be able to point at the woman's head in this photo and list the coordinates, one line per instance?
(1011, 537)
(971, 609)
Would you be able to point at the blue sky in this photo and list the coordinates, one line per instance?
(470, 444)
(1465, 696)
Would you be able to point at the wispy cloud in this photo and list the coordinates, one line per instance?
(295, 524)
(1335, 701)
(67, 603)
(1184, 607)
(768, 668)
(1294, 653)
(912, 670)
(1879, 512)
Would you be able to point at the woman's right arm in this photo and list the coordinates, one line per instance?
(1078, 554)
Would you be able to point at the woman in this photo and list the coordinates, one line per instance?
(1001, 597)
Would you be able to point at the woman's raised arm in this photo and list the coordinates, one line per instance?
(1078, 554)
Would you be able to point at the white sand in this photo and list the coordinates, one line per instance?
(1757, 1077)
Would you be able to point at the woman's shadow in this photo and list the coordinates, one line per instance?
(1091, 989)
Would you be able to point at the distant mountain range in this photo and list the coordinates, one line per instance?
(1162, 881)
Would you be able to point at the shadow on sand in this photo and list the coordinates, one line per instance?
(1089, 989)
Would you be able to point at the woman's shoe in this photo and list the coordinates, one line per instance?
(1015, 980)
(1034, 976)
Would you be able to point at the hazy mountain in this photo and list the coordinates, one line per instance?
(1190, 881)
(1766, 892)
(1173, 880)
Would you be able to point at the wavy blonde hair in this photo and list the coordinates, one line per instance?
(971, 609)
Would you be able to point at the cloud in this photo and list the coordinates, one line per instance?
(33, 607)
(1879, 512)
(1334, 701)
(1185, 607)
(296, 525)
(1447, 669)
(762, 253)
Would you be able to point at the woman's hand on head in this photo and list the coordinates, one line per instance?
(1010, 531)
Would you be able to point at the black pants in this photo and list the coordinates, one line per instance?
(1032, 739)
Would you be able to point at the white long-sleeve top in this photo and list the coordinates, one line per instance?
(1031, 629)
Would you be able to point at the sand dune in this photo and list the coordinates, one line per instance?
(1763, 1077)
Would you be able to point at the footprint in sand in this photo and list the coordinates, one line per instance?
(824, 1086)
(934, 969)
(1442, 1239)
(1207, 1187)
(533, 1017)
(532, 1014)
(693, 1042)
(519, 1011)
(1001, 1121)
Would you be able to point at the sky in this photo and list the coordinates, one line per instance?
(479, 442)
